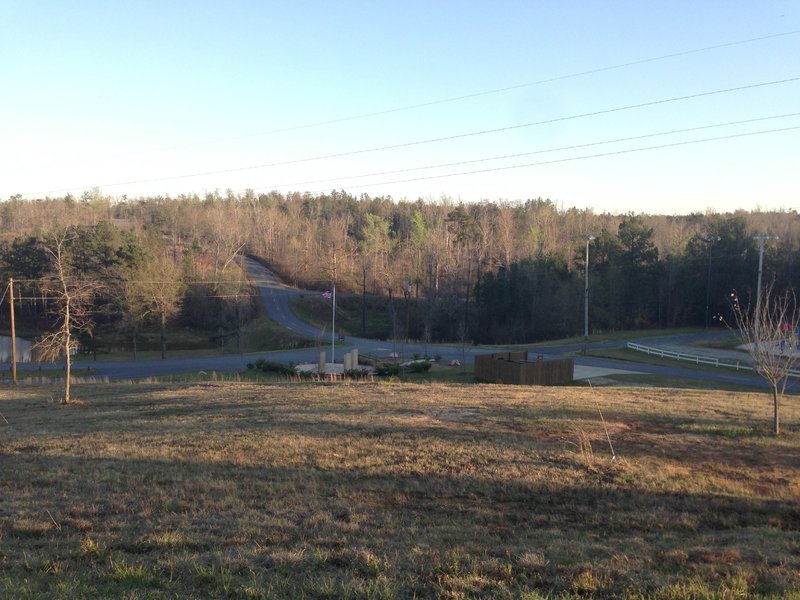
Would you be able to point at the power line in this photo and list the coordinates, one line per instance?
(158, 281)
(493, 91)
(443, 138)
(203, 296)
(517, 155)
(575, 158)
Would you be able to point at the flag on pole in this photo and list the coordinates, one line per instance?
(326, 294)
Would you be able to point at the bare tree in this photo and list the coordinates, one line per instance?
(163, 289)
(224, 235)
(133, 295)
(770, 333)
(73, 300)
(235, 293)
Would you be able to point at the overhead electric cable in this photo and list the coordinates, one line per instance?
(575, 158)
(73, 279)
(493, 91)
(517, 155)
(204, 296)
(439, 139)
(472, 95)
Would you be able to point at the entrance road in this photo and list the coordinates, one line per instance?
(275, 297)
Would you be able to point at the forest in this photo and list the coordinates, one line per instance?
(488, 272)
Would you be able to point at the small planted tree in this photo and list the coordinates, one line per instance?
(72, 297)
(770, 332)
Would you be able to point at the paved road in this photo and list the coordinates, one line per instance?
(276, 296)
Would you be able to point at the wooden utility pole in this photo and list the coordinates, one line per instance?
(364, 301)
(13, 334)
(760, 238)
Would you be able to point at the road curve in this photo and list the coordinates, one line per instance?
(275, 297)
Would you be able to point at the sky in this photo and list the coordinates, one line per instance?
(664, 107)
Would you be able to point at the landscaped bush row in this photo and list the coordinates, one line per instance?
(269, 366)
(417, 366)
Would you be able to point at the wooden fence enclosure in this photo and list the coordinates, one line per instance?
(514, 368)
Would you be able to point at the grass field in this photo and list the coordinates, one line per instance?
(260, 334)
(313, 309)
(663, 381)
(633, 356)
(253, 490)
(604, 336)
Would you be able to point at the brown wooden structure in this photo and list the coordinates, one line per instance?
(514, 368)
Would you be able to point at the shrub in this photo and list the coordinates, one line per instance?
(387, 370)
(357, 374)
(420, 366)
(268, 366)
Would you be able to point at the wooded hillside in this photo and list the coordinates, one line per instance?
(486, 272)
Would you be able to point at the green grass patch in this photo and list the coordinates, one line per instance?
(609, 336)
(258, 335)
(262, 334)
(727, 430)
(660, 381)
(634, 356)
(316, 310)
(724, 342)
(441, 373)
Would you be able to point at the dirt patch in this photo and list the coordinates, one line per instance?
(458, 415)
(449, 415)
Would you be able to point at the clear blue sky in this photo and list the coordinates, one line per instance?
(106, 93)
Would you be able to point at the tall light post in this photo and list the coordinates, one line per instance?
(761, 238)
(710, 241)
(586, 291)
(333, 314)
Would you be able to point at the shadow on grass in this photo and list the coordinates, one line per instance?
(429, 534)
(282, 491)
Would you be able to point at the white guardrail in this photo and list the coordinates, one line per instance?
(693, 358)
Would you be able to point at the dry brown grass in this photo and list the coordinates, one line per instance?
(386, 490)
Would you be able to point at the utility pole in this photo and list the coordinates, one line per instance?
(364, 300)
(710, 241)
(13, 334)
(407, 292)
(586, 291)
(761, 238)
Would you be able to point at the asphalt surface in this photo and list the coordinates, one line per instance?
(276, 296)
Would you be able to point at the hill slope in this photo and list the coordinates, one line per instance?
(386, 490)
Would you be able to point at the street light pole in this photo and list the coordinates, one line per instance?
(333, 314)
(586, 291)
(13, 334)
(710, 242)
(761, 237)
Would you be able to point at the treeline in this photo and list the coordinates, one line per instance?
(125, 280)
(484, 272)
